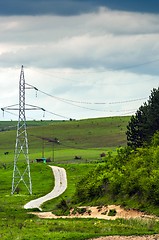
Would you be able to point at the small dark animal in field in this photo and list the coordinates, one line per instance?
(77, 157)
(6, 153)
(102, 154)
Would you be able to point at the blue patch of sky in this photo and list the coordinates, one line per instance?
(73, 7)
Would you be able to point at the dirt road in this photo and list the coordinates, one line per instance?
(146, 237)
(59, 188)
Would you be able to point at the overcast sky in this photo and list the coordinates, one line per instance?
(87, 58)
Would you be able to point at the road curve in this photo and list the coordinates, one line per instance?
(59, 188)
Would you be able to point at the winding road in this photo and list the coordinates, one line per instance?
(59, 188)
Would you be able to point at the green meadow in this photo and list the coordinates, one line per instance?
(86, 139)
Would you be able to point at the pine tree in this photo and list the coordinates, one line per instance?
(145, 122)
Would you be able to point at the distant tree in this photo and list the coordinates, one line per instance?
(145, 122)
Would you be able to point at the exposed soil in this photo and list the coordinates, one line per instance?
(100, 212)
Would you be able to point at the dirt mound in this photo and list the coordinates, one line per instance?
(110, 212)
(106, 212)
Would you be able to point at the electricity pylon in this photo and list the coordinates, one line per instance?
(21, 171)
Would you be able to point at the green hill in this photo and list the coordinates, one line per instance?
(76, 137)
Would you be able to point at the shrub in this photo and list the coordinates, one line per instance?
(112, 212)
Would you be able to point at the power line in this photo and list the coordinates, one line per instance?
(4, 109)
(71, 102)
(57, 114)
(85, 102)
(109, 69)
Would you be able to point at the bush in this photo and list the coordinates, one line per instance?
(112, 212)
(132, 179)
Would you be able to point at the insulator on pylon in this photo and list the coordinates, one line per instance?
(3, 111)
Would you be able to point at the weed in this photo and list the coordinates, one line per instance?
(112, 212)
(81, 210)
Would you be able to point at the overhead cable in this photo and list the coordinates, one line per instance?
(86, 102)
(110, 69)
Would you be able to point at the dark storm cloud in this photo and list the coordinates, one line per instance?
(43, 7)
(73, 7)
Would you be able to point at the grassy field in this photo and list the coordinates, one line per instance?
(85, 138)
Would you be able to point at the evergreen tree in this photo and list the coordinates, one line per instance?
(145, 122)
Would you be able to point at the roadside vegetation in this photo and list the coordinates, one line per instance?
(131, 177)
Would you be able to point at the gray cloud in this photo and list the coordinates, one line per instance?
(99, 40)
(100, 56)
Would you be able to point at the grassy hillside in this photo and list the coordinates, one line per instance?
(101, 134)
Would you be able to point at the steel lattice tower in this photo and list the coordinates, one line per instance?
(21, 171)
